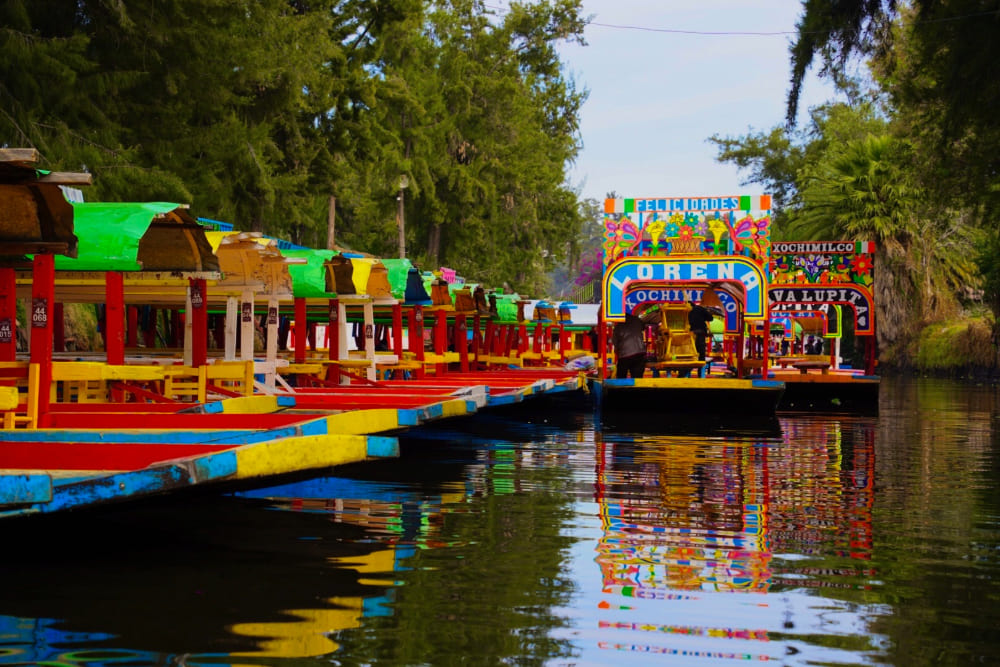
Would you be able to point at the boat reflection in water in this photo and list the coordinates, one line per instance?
(688, 519)
(764, 426)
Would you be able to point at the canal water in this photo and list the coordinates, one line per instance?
(549, 539)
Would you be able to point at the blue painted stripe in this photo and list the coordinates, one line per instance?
(25, 488)
(410, 417)
(286, 401)
(767, 384)
(506, 399)
(215, 407)
(383, 446)
(315, 427)
(158, 479)
(154, 437)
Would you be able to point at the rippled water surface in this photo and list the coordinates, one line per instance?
(804, 540)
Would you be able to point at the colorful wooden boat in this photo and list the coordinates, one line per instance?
(813, 283)
(662, 254)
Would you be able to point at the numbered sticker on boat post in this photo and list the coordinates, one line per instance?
(6, 331)
(196, 296)
(39, 312)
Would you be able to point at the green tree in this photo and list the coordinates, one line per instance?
(936, 60)
(847, 176)
(258, 114)
(474, 109)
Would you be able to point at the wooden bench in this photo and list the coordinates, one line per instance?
(806, 365)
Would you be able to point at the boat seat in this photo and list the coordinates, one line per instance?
(13, 412)
(236, 376)
(680, 346)
(184, 383)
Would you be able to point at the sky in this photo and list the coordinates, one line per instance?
(660, 87)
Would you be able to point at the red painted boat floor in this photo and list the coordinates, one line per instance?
(111, 421)
(96, 456)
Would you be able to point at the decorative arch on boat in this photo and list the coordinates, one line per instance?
(675, 271)
(810, 274)
(856, 297)
(641, 294)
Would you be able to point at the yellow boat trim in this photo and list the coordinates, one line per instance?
(455, 408)
(249, 405)
(295, 454)
(363, 422)
(693, 383)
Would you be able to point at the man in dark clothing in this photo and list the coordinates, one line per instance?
(630, 347)
(698, 319)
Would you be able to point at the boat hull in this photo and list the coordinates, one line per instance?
(830, 393)
(688, 396)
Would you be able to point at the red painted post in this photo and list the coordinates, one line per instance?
(489, 338)
(199, 322)
(477, 339)
(462, 342)
(8, 315)
(114, 317)
(565, 342)
(440, 332)
(440, 337)
(510, 339)
(602, 342)
(301, 330)
(43, 291)
(765, 344)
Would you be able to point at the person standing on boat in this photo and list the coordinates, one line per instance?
(698, 318)
(630, 347)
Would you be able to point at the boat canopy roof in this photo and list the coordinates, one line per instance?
(138, 236)
(35, 216)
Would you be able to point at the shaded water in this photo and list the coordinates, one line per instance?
(800, 541)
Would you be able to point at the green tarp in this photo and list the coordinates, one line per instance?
(398, 270)
(309, 280)
(109, 235)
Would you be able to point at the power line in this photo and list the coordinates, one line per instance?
(737, 33)
(694, 32)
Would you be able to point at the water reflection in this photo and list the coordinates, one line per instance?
(550, 538)
(180, 582)
(690, 521)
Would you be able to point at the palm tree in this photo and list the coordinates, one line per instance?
(863, 191)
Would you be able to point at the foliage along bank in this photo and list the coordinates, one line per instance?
(282, 116)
